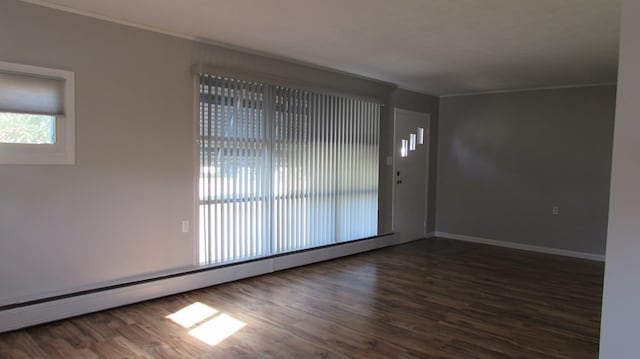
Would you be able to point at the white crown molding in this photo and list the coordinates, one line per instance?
(208, 41)
(525, 89)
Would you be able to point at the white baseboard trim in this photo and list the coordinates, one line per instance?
(521, 246)
(430, 235)
(25, 316)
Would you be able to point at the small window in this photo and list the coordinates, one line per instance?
(36, 115)
(27, 128)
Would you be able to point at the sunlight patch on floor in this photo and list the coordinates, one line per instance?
(217, 329)
(192, 314)
(215, 326)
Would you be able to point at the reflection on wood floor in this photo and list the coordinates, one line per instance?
(428, 299)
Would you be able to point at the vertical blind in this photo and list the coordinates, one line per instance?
(283, 169)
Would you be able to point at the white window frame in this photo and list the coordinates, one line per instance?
(62, 152)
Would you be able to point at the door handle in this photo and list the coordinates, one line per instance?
(399, 181)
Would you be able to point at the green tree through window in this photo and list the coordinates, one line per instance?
(27, 128)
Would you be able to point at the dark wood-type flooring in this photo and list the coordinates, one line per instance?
(432, 298)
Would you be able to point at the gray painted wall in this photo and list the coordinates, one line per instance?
(413, 101)
(620, 314)
(504, 160)
(116, 215)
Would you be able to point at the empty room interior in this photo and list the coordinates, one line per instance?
(376, 179)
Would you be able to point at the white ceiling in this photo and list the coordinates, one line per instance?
(431, 46)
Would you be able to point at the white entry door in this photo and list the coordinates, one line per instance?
(411, 150)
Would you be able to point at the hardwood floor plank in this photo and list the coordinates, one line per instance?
(432, 298)
(20, 344)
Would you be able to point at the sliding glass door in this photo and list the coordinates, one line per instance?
(283, 169)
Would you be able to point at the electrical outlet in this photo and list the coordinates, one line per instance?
(185, 226)
(555, 210)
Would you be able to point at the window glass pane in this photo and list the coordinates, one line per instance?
(27, 128)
